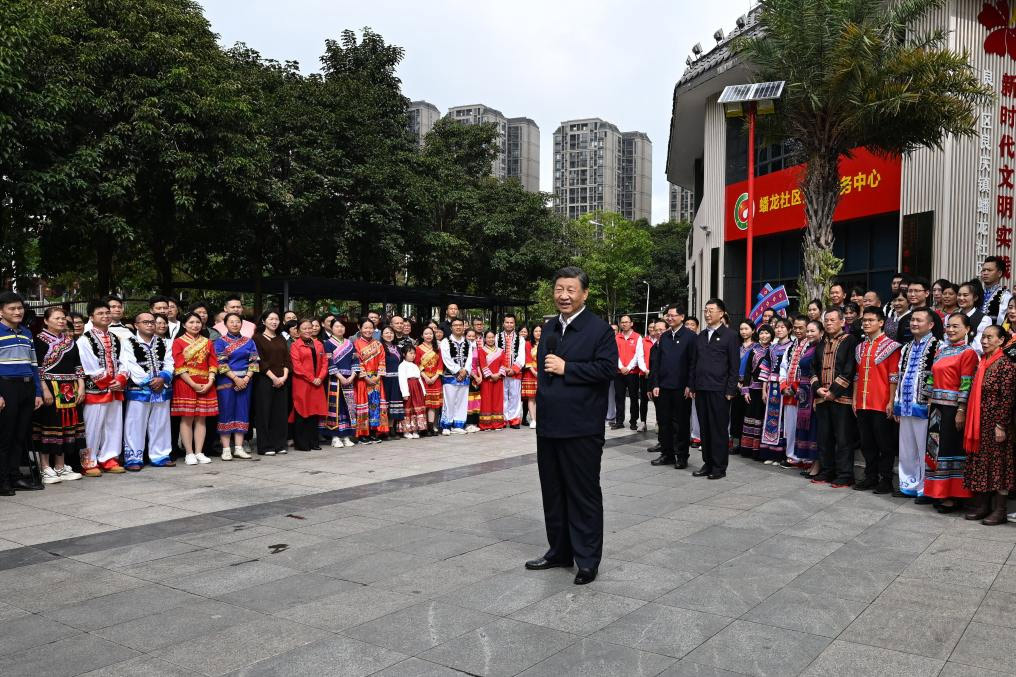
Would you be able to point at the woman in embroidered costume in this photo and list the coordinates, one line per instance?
(390, 380)
(194, 387)
(310, 368)
(412, 388)
(431, 368)
(371, 405)
(475, 382)
(57, 429)
(755, 366)
(795, 383)
(343, 364)
(530, 374)
(990, 471)
(773, 445)
(952, 372)
(238, 358)
(492, 362)
(747, 333)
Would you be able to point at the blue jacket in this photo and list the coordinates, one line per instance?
(671, 358)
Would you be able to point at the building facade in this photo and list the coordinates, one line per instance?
(935, 213)
(518, 142)
(599, 168)
(682, 204)
(422, 116)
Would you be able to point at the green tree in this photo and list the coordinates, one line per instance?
(667, 274)
(616, 255)
(858, 73)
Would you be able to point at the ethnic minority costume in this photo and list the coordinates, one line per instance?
(990, 465)
(371, 405)
(996, 302)
(390, 381)
(952, 374)
(529, 379)
(430, 366)
(413, 391)
(475, 380)
(911, 406)
(877, 365)
(737, 404)
(309, 364)
(755, 364)
(100, 360)
(147, 410)
(773, 445)
(493, 362)
(235, 353)
(837, 427)
(57, 428)
(343, 361)
(800, 368)
(515, 361)
(196, 358)
(456, 356)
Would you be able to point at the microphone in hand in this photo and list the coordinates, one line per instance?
(552, 341)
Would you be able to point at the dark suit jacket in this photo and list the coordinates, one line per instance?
(715, 362)
(904, 335)
(575, 405)
(671, 358)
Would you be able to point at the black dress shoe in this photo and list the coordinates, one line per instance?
(585, 576)
(6, 489)
(515, 427)
(883, 488)
(22, 484)
(702, 472)
(616, 426)
(655, 449)
(634, 426)
(924, 500)
(717, 475)
(662, 460)
(899, 494)
(865, 485)
(680, 465)
(541, 563)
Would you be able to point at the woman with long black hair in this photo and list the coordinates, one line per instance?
(271, 386)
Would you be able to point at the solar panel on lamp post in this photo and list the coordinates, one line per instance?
(750, 100)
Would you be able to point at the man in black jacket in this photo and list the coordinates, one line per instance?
(577, 360)
(669, 371)
(714, 366)
(833, 385)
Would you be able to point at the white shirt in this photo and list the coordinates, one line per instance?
(711, 330)
(567, 321)
(409, 371)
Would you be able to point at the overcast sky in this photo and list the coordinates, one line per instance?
(548, 60)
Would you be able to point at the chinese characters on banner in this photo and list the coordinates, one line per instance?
(1006, 166)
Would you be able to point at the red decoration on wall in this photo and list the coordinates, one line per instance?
(998, 19)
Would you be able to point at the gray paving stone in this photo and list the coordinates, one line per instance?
(347, 609)
(841, 658)
(997, 608)
(925, 596)
(755, 649)
(640, 581)
(179, 624)
(1006, 579)
(318, 555)
(580, 612)
(142, 666)
(118, 607)
(588, 658)
(26, 632)
(871, 558)
(263, 546)
(436, 579)
(230, 578)
(444, 545)
(287, 592)
(345, 526)
(704, 514)
(134, 555)
(664, 630)
(240, 645)
(414, 667)
(941, 569)
(686, 668)
(505, 594)
(374, 565)
(843, 582)
(987, 646)
(230, 533)
(948, 545)
(952, 669)
(500, 649)
(689, 557)
(748, 566)
(882, 536)
(927, 634)
(726, 538)
(66, 657)
(338, 656)
(805, 612)
(420, 627)
(8, 612)
(787, 547)
(719, 595)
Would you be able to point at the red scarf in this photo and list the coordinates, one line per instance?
(972, 432)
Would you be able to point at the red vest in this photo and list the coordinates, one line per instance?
(626, 348)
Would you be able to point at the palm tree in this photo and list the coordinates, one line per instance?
(859, 73)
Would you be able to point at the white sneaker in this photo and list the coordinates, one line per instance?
(269, 453)
(240, 452)
(50, 476)
(416, 436)
(67, 474)
(336, 442)
(201, 458)
(458, 431)
(532, 424)
(472, 429)
(446, 431)
(227, 455)
(348, 442)
(191, 459)
(283, 451)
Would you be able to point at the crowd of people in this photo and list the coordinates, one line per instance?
(923, 386)
(102, 393)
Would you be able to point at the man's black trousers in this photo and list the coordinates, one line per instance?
(572, 500)
(673, 415)
(878, 444)
(626, 384)
(837, 439)
(713, 410)
(15, 425)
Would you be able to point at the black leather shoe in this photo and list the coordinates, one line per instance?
(634, 426)
(515, 427)
(585, 576)
(680, 465)
(27, 485)
(6, 489)
(655, 449)
(924, 500)
(702, 472)
(865, 485)
(899, 494)
(883, 488)
(616, 426)
(717, 475)
(541, 563)
(662, 460)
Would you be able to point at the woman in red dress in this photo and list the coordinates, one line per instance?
(194, 397)
(988, 438)
(529, 374)
(371, 406)
(493, 366)
(310, 369)
(431, 368)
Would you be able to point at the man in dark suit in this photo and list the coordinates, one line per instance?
(714, 365)
(578, 360)
(669, 371)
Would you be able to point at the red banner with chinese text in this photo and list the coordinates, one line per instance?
(869, 185)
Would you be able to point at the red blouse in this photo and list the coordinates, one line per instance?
(877, 364)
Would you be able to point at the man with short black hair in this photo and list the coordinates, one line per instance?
(451, 312)
(837, 295)
(20, 392)
(514, 347)
(713, 383)
(996, 296)
(105, 380)
(877, 366)
(909, 396)
(234, 305)
(148, 361)
(918, 295)
(669, 378)
(894, 288)
(833, 384)
(457, 356)
(872, 300)
(626, 382)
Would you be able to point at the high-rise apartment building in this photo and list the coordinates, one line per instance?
(422, 116)
(682, 204)
(599, 168)
(518, 142)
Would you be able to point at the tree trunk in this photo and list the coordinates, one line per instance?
(820, 187)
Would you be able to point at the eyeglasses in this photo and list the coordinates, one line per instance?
(146, 321)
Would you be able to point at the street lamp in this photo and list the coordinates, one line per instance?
(752, 100)
(647, 305)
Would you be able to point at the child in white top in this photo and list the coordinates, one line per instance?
(413, 395)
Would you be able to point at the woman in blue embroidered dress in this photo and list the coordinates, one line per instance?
(238, 363)
(343, 364)
(797, 384)
(755, 365)
(773, 446)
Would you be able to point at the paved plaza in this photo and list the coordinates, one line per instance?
(405, 560)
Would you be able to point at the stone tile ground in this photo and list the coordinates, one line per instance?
(405, 559)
